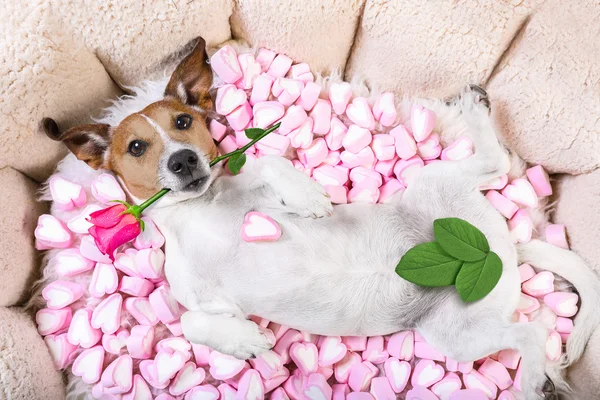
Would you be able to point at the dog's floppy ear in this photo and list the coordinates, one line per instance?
(88, 142)
(192, 78)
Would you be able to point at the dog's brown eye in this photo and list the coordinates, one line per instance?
(183, 122)
(137, 148)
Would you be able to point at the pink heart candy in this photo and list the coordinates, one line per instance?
(427, 373)
(365, 176)
(474, 380)
(70, 262)
(355, 343)
(167, 364)
(259, 227)
(107, 314)
(364, 158)
(497, 373)
(540, 181)
(328, 175)
(239, 118)
(331, 350)
(188, 377)
(339, 96)
(79, 223)
(295, 384)
(564, 325)
(294, 118)
(359, 112)
(362, 193)
(164, 304)
(223, 366)
(302, 137)
(336, 134)
(468, 394)
(526, 272)
(134, 286)
(118, 376)
(125, 262)
(527, 304)
(139, 390)
(251, 69)
(496, 183)
(337, 194)
(305, 355)
(52, 233)
(407, 170)
(66, 195)
(280, 66)
(266, 112)
(227, 392)
(539, 285)
(429, 148)
(314, 154)
(59, 294)
(106, 188)
(291, 89)
(506, 395)
(309, 96)
(88, 249)
(267, 364)
(225, 64)
(425, 350)
(202, 392)
(61, 350)
(81, 331)
(390, 190)
(564, 304)
(273, 144)
(386, 168)
(521, 226)
(88, 365)
(302, 72)
(553, 347)
(356, 138)
(316, 387)
(449, 384)
(557, 235)
(375, 352)
(265, 57)
(278, 394)
(361, 375)
(51, 321)
(149, 263)
(283, 345)
(217, 130)
(141, 309)
(342, 368)
(381, 388)
(228, 99)
(175, 344)
(321, 115)
(459, 150)
(422, 122)
(401, 345)
(504, 206)
(406, 147)
(383, 146)
(114, 342)
(104, 280)
(262, 89)
(384, 109)
(250, 386)
(521, 192)
(277, 379)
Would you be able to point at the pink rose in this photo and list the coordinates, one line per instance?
(113, 227)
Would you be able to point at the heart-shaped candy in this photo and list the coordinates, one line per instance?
(104, 280)
(553, 347)
(305, 355)
(540, 181)
(273, 144)
(294, 117)
(164, 304)
(564, 304)
(279, 66)
(426, 351)
(125, 262)
(375, 352)
(105, 188)
(107, 314)
(302, 72)
(342, 368)
(187, 378)
(167, 364)
(401, 345)
(79, 223)
(528, 304)
(316, 387)
(384, 109)
(331, 350)
(88, 365)
(497, 373)
(309, 96)
(238, 119)
(449, 384)
(359, 112)
(70, 262)
(139, 390)
(267, 364)
(427, 373)
(406, 147)
(556, 234)
(381, 388)
(521, 226)
(223, 366)
(302, 137)
(61, 350)
(59, 294)
(429, 148)
(65, 194)
(229, 98)
(259, 227)
(498, 183)
(422, 122)
(226, 65)
(474, 380)
(521, 192)
(290, 90)
(114, 342)
(250, 386)
(364, 158)
(51, 321)
(397, 373)
(118, 375)
(148, 371)
(89, 250)
(356, 138)
(251, 69)
(459, 150)
(134, 286)
(266, 112)
(283, 345)
(52, 233)
(361, 375)
(336, 134)
(539, 285)
(81, 331)
(141, 309)
(321, 115)
(408, 170)
(339, 96)
(265, 57)
(202, 392)
(149, 263)
(384, 147)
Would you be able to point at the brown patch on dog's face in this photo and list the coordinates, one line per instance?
(157, 128)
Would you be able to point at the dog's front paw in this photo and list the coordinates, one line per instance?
(305, 197)
(250, 346)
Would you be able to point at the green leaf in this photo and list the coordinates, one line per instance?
(254, 133)
(428, 265)
(236, 162)
(460, 239)
(476, 279)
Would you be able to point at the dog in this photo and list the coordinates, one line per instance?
(332, 272)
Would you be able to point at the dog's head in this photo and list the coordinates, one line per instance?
(166, 145)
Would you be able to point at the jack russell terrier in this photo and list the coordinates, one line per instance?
(332, 272)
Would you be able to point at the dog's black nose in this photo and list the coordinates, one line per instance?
(183, 162)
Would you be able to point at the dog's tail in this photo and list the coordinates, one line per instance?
(570, 266)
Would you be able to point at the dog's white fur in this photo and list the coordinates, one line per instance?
(335, 275)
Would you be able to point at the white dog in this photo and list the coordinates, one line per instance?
(332, 270)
